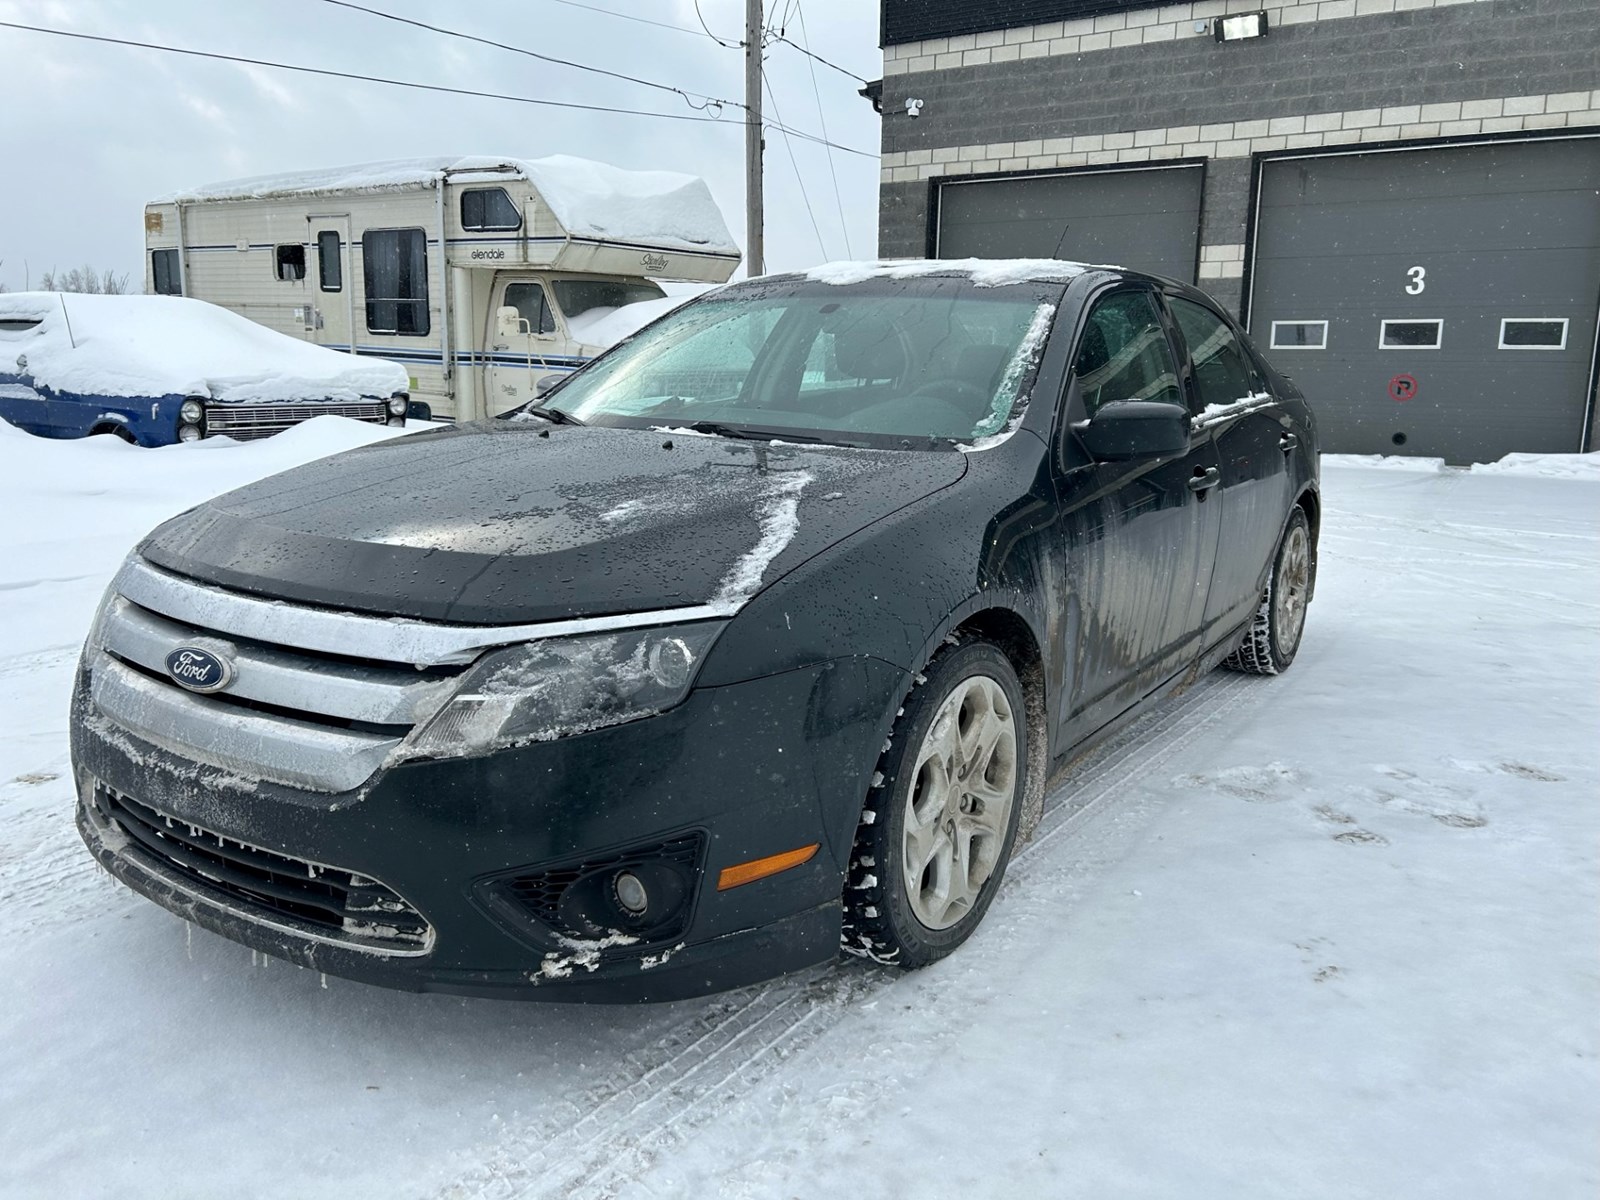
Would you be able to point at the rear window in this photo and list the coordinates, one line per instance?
(164, 269)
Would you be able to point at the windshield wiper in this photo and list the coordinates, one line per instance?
(555, 416)
(719, 429)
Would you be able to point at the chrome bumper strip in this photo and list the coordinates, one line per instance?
(250, 744)
(384, 639)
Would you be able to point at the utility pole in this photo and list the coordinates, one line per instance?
(755, 248)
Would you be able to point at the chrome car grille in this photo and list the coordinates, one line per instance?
(329, 903)
(318, 698)
(246, 422)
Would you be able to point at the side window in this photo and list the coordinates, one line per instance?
(395, 273)
(290, 262)
(1222, 371)
(164, 266)
(528, 300)
(485, 209)
(329, 270)
(1124, 354)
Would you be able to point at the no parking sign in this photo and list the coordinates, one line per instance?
(1403, 387)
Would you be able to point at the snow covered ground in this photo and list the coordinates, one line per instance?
(1326, 935)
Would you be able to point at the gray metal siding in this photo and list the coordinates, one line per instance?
(1145, 219)
(1499, 230)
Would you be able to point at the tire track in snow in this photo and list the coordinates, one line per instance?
(652, 1103)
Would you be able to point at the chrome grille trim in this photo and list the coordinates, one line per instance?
(347, 691)
(246, 421)
(382, 639)
(209, 731)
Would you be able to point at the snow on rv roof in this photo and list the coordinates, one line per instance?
(590, 199)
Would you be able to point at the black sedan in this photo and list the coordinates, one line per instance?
(754, 639)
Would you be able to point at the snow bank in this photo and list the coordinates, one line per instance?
(590, 199)
(1384, 462)
(172, 345)
(608, 326)
(1547, 466)
(984, 272)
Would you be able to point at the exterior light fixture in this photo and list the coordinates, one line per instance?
(1239, 26)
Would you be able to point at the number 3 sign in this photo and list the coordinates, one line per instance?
(1418, 283)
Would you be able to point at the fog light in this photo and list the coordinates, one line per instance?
(630, 893)
(398, 405)
(191, 410)
(188, 433)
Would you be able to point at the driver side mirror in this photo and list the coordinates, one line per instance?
(1129, 429)
(511, 322)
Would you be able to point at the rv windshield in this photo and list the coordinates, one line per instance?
(875, 364)
(578, 296)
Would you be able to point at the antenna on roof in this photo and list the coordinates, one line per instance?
(1060, 241)
(70, 340)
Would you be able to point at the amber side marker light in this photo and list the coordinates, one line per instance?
(760, 868)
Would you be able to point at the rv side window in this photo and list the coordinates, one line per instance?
(330, 272)
(164, 265)
(395, 272)
(528, 300)
(488, 208)
(290, 263)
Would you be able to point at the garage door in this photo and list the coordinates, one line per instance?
(1148, 219)
(1435, 302)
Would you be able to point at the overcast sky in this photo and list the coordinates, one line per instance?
(101, 129)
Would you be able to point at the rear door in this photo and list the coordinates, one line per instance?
(1136, 538)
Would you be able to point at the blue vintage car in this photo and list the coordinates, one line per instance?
(155, 370)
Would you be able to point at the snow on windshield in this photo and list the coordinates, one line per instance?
(171, 345)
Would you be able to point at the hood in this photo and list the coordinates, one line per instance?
(513, 522)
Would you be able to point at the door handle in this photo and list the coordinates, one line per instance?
(1204, 479)
(1288, 442)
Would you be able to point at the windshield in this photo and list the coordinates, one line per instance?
(578, 296)
(940, 359)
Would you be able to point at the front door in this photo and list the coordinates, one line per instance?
(523, 349)
(1137, 538)
(1233, 408)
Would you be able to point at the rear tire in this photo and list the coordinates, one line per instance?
(1273, 639)
(940, 821)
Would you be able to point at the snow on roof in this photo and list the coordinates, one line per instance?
(172, 345)
(590, 199)
(984, 272)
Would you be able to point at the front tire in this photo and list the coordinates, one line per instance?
(1273, 639)
(939, 823)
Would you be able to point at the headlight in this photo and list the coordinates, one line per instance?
(188, 433)
(190, 411)
(544, 690)
(398, 405)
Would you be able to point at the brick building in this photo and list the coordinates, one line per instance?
(1400, 198)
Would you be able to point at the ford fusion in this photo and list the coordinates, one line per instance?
(753, 640)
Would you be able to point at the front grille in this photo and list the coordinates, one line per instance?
(246, 422)
(336, 904)
(542, 894)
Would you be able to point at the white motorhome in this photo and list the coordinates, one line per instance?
(483, 276)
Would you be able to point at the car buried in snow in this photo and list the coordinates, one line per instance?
(155, 370)
(754, 639)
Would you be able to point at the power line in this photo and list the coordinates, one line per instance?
(611, 12)
(712, 36)
(562, 62)
(407, 83)
(838, 196)
(793, 162)
(779, 37)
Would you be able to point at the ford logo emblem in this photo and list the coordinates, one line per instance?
(199, 670)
